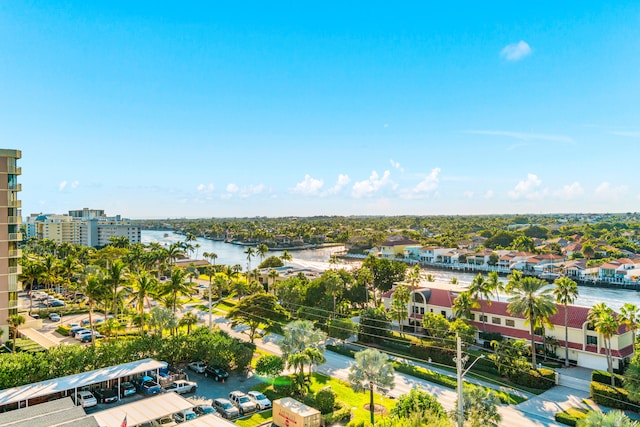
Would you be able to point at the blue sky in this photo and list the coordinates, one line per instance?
(204, 109)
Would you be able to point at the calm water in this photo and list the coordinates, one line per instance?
(319, 258)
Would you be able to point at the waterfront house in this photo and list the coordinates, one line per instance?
(396, 246)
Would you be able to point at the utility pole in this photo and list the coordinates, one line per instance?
(459, 365)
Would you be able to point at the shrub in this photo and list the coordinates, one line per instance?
(542, 378)
(604, 377)
(491, 336)
(284, 385)
(341, 412)
(436, 354)
(325, 400)
(63, 330)
(613, 397)
(571, 416)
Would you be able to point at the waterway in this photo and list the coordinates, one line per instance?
(231, 254)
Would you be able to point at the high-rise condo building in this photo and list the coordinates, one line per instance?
(10, 220)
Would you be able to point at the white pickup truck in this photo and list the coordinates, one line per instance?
(182, 386)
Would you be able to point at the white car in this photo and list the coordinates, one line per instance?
(182, 387)
(198, 367)
(54, 317)
(259, 399)
(86, 399)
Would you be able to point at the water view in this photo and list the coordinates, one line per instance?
(319, 258)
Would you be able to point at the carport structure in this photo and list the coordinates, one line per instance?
(30, 394)
(143, 411)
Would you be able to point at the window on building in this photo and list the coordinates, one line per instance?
(496, 320)
(472, 316)
(510, 322)
(483, 318)
(592, 340)
(421, 310)
(444, 313)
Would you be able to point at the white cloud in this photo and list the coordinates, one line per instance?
(605, 191)
(430, 183)
(396, 165)
(524, 136)
(528, 189)
(516, 51)
(62, 185)
(469, 194)
(251, 190)
(488, 195)
(343, 181)
(570, 191)
(308, 187)
(232, 188)
(371, 185)
(75, 184)
(206, 188)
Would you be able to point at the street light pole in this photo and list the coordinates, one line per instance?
(210, 321)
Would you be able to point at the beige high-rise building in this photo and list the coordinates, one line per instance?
(10, 220)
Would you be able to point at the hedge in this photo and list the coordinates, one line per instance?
(341, 412)
(613, 397)
(541, 378)
(604, 377)
(571, 416)
(63, 330)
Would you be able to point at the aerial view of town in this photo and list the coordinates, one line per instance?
(319, 214)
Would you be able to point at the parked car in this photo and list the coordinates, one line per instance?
(216, 373)
(182, 387)
(54, 317)
(147, 385)
(225, 408)
(164, 422)
(198, 367)
(75, 331)
(126, 389)
(186, 415)
(259, 399)
(106, 395)
(86, 399)
(56, 303)
(87, 337)
(242, 402)
(205, 410)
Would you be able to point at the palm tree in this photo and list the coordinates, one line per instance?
(399, 303)
(630, 316)
(14, 322)
(298, 337)
(613, 418)
(483, 289)
(604, 322)
(162, 318)
(531, 298)
(250, 252)
(413, 278)
(30, 274)
(176, 286)
(262, 250)
(95, 290)
(117, 277)
(463, 304)
(286, 256)
(50, 271)
(272, 276)
(144, 286)
(333, 285)
(189, 319)
(372, 369)
(566, 292)
(174, 251)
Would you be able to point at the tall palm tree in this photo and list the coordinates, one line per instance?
(174, 251)
(14, 322)
(399, 303)
(50, 271)
(69, 268)
(298, 337)
(144, 286)
(482, 289)
(566, 292)
(30, 274)
(531, 298)
(95, 289)
(117, 276)
(250, 253)
(413, 278)
(604, 322)
(272, 276)
(176, 286)
(262, 250)
(286, 256)
(371, 370)
(630, 316)
(189, 319)
(161, 318)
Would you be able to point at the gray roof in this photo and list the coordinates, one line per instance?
(143, 410)
(60, 412)
(70, 382)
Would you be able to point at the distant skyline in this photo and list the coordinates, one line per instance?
(167, 110)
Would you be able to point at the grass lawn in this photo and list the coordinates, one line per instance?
(344, 392)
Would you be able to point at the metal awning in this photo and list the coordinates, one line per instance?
(144, 410)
